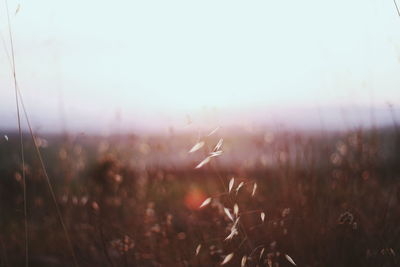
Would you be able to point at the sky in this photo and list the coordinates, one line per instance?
(147, 65)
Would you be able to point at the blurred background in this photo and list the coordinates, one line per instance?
(279, 119)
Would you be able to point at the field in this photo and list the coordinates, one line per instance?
(269, 198)
(123, 166)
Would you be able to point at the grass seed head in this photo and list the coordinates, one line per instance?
(206, 202)
(228, 213)
(227, 258)
(219, 145)
(198, 248)
(262, 215)
(254, 190)
(231, 183)
(236, 209)
(239, 186)
(204, 162)
(214, 131)
(244, 260)
(196, 147)
(289, 259)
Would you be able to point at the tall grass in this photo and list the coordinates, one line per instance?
(319, 201)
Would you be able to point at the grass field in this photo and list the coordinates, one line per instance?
(296, 198)
(254, 195)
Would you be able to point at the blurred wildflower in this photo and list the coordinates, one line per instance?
(285, 212)
(95, 206)
(336, 159)
(123, 245)
(181, 236)
(346, 218)
(342, 148)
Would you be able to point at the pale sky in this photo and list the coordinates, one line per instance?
(155, 62)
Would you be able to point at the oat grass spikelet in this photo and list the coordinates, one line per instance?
(198, 248)
(289, 259)
(204, 162)
(231, 183)
(205, 202)
(196, 147)
(227, 258)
